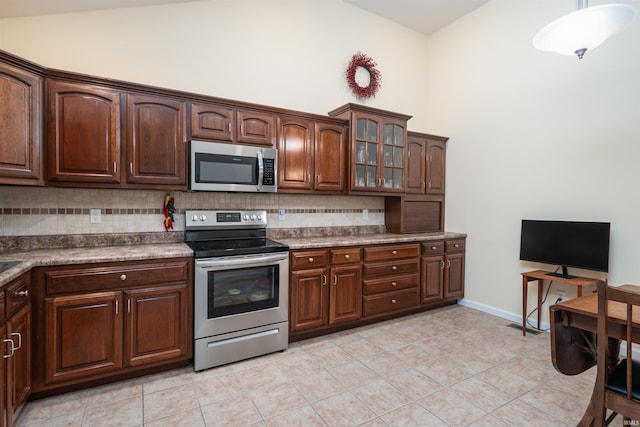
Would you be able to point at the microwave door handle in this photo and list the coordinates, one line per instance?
(260, 171)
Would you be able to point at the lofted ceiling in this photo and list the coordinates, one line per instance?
(425, 16)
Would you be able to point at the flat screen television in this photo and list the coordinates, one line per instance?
(577, 244)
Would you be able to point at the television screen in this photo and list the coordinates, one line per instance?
(566, 243)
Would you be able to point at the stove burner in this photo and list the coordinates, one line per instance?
(227, 233)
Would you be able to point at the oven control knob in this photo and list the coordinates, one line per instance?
(246, 217)
(259, 217)
(253, 217)
(203, 217)
(194, 218)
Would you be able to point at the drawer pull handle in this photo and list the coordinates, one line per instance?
(393, 284)
(13, 348)
(324, 280)
(335, 279)
(394, 268)
(310, 259)
(393, 301)
(24, 293)
(448, 263)
(347, 256)
(123, 277)
(456, 245)
(442, 268)
(19, 340)
(433, 248)
(394, 252)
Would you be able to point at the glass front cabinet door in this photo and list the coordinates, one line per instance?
(378, 154)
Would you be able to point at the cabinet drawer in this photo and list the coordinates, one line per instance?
(308, 259)
(454, 246)
(390, 302)
(432, 248)
(345, 256)
(389, 252)
(389, 284)
(391, 268)
(18, 293)
(106, 277)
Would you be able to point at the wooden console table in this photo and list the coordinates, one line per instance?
(541, 276)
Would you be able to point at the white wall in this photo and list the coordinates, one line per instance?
(286, 53)
(533, 134)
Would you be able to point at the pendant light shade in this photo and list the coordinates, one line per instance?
(585, 29)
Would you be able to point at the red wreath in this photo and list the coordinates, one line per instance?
(362, 60)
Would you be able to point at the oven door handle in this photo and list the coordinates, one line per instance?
(241, 261)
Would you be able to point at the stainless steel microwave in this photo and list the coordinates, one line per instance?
(231, 167)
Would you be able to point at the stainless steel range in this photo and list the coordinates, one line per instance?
(241, 287)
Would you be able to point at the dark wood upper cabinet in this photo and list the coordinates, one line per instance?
(425, 163)
(330, 157)
(416, 160)
(20, 126)
(311, 155)
(156, 141)
(210, 121)
(377, 151)
(256, 128)
(295, 154)
(83, 133)
(435, 165)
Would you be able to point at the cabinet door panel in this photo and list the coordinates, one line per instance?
(345, 294)
(19, 365)
(329, 157)
(3, 377)
(156, 324)
(156, 148)
(454, 276)
(211, 122)
(295, 160)
(84, 133)
(308, 299)
(256, 128)
(20, 122)
(435, 167)
(432, 279)
(416, 159)
(83, 335)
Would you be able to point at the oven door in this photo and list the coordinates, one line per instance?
(240, 292)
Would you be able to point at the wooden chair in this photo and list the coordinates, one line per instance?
(617, 383)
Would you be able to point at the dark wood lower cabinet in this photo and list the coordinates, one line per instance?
(95, 323)
(83, 336)
(358, 285)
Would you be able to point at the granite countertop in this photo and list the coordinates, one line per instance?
(364, 239)
(132, 252)
(42, 257)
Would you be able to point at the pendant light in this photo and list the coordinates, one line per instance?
(585, 29)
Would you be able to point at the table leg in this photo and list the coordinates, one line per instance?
(525, 282)
(540, 285)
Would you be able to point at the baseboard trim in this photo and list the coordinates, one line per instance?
(513, 317)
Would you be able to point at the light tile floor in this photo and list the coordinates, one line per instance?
(453, 366)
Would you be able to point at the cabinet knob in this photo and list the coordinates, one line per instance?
(24, 293)
(347, 256)
(123, 277)
(456, 245)
(310, 259)
(393, 284)
(433, 248)
(394, 268)
(394, 252)
(393, 301)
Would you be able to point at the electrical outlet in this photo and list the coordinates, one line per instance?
(365, 213)
(281, 214)
(560, 296)
(94, 216)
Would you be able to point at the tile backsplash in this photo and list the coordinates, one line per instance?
(42, 211)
